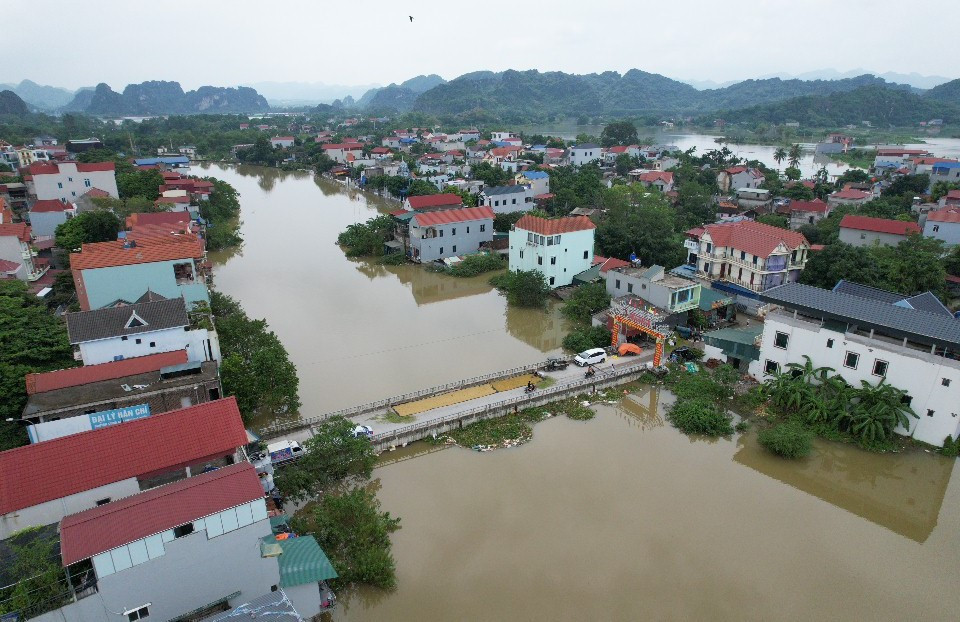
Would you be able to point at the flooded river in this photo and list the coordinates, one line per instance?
(619, 518)
(624, 518)
(359, 331)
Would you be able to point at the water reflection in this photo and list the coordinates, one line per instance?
(644, 409)
(902, 492)
(543, 331)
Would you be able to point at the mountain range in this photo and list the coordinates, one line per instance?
(162, 97)
(913, 79)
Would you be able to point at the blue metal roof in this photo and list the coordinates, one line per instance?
(946, 165)
(168, 160)
(535, 175)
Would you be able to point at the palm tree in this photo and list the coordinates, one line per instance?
(794, 156)
(821, 175)
(780, 155)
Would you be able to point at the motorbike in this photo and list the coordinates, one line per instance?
(590, 373)
(529, 388)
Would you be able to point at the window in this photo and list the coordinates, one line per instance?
(851, 360)
(69, 178)
(743, 255)
(556, 239)
(553, 261)
(880, 368)
(60, 185)
(139, 613)
(585, 253)
(441, 233)
(539, 261)
(103, 501)
(454, 248)
(214, 393)
(929, 413)
(629, 288)
(153, 344)
(482, 228)
(139, 341)
(514, 201)
(551, 280)
(936, 228)
(863, 236)
(616, 284)
(496, 203)
(183, 530)
(521, 254)
(124, 338)
(945, 382)
(441, 250)
(829, 343)
(86, 183)
(771, 367)
(468, 229)
(780, 340)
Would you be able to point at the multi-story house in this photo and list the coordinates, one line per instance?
(66, 181)
(807, 212)
(871, 335)
(748, 254)
(47, 215)
(673, 295)
(584, 154)
(106, 272)
(849, 196)
(560, 248)
(433, 202)
(866, 231)
(505, 199)
(737, 177)
(16, 255)
(115, 460)
(447, 233)
(122, 330)
(943, 225)
(538, 181)
(338, 152)
(948, 172)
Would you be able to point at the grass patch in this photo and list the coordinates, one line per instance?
(392, 417)
(699, 416)
(512, 429)
(788, 440)
(472, 265)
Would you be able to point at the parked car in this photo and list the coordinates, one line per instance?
(363, 431)
(282, 452)
(555, 364)
(593, 356)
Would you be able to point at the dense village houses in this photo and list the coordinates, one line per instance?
(866, 230)
(560, 248)
(748, 254)
(439, 234)
(144, 453)
(107, 272)
(895, 157)
(584, 154)
(433, 202)
(943, 225)
(17, 258)
(672, 295)
(871, 335)
(505, 199)
(65, 181)
(737, 177)
(151, 325)
(68, 401)
(807, 212)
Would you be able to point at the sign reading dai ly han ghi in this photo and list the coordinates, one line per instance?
(118, 415)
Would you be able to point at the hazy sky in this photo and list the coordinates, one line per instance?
(229, 42)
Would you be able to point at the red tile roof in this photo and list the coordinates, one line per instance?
(553, 226)
(39, 168)
(76, 376)
(850, 193)
(815, 205)
(734, 170)
(35, 474)
(126, 520)
(450, 216)
(348, 146)
(878, 225)
(653, 176)
(157, 218)
(953, 194)
(50, 205)
(8, 267)
(434, 200)
(108, 254)
(753, 237)
(944, 215)
(96, 193)
(19, 230)
(609, 264)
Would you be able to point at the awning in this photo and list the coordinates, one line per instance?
(736, 342)
(303, 561)
(711, 299)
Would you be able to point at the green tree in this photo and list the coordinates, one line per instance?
(775, 220)
(367, 239)
(619, 133)
(140, 183)
(503, 222)
(909, 185)
(780, 155)
(333, 454)
(640, 223)
(699, 416)
(256, 367)
(33, 341)
(87, 228)
(792, 173)
(877, 410)
(787, 440)
(585, 301)
(587, 337)
(490, 175)
(795, 155)
(941, 188)
(41, 584)
(624, 164)
(355, 535)
(524, 288)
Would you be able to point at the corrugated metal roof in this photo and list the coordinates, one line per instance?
(271, 607)
(120, 522)
(553, 226)
(108, 254)
(878, 225)
(865, 291)
(110, 322)
(868, 313)
(452, 216)
(302, 561)
(37, 473)
(76, 376)
(492, 191)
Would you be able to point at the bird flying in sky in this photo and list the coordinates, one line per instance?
(411, 18)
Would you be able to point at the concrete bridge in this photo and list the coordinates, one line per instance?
(437, 421)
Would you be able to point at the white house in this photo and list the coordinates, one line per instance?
(866, 231)
(661, 180)
(504, 199)
(66, 181)
(468, 135)
(338, 152)
(560, 248)
(737, 177)
(849, 196)
(282, 141)
(943, 225)
(46, 216)
(16, 256)
(448, 233)
(500, 136)
(154, 324)
(584, 154)
(871, 335)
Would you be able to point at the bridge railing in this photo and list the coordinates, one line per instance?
(299, 424)
(537, 396)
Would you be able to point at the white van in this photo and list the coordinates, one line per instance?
(593, 356)
(284, 451)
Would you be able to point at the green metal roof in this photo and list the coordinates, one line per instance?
(712, 299)
(280, 519)
(303, 561)
(736, 342)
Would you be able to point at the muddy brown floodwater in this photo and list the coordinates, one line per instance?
(359, 331)
(618, 518)
(624, 518)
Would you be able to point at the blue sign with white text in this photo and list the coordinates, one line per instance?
(119, 415)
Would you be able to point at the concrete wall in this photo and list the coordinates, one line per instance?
(102, 286)
(919, 373)
(651, 291)
(11, 249)
(51, 512)
(508, 203)
(856, 237)
(44, 224)
(467, 239)
(949, 232)
(69, 184)
(579, 157)
(560, 262)
(194, 341)
(305, 598)
(193, 572)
